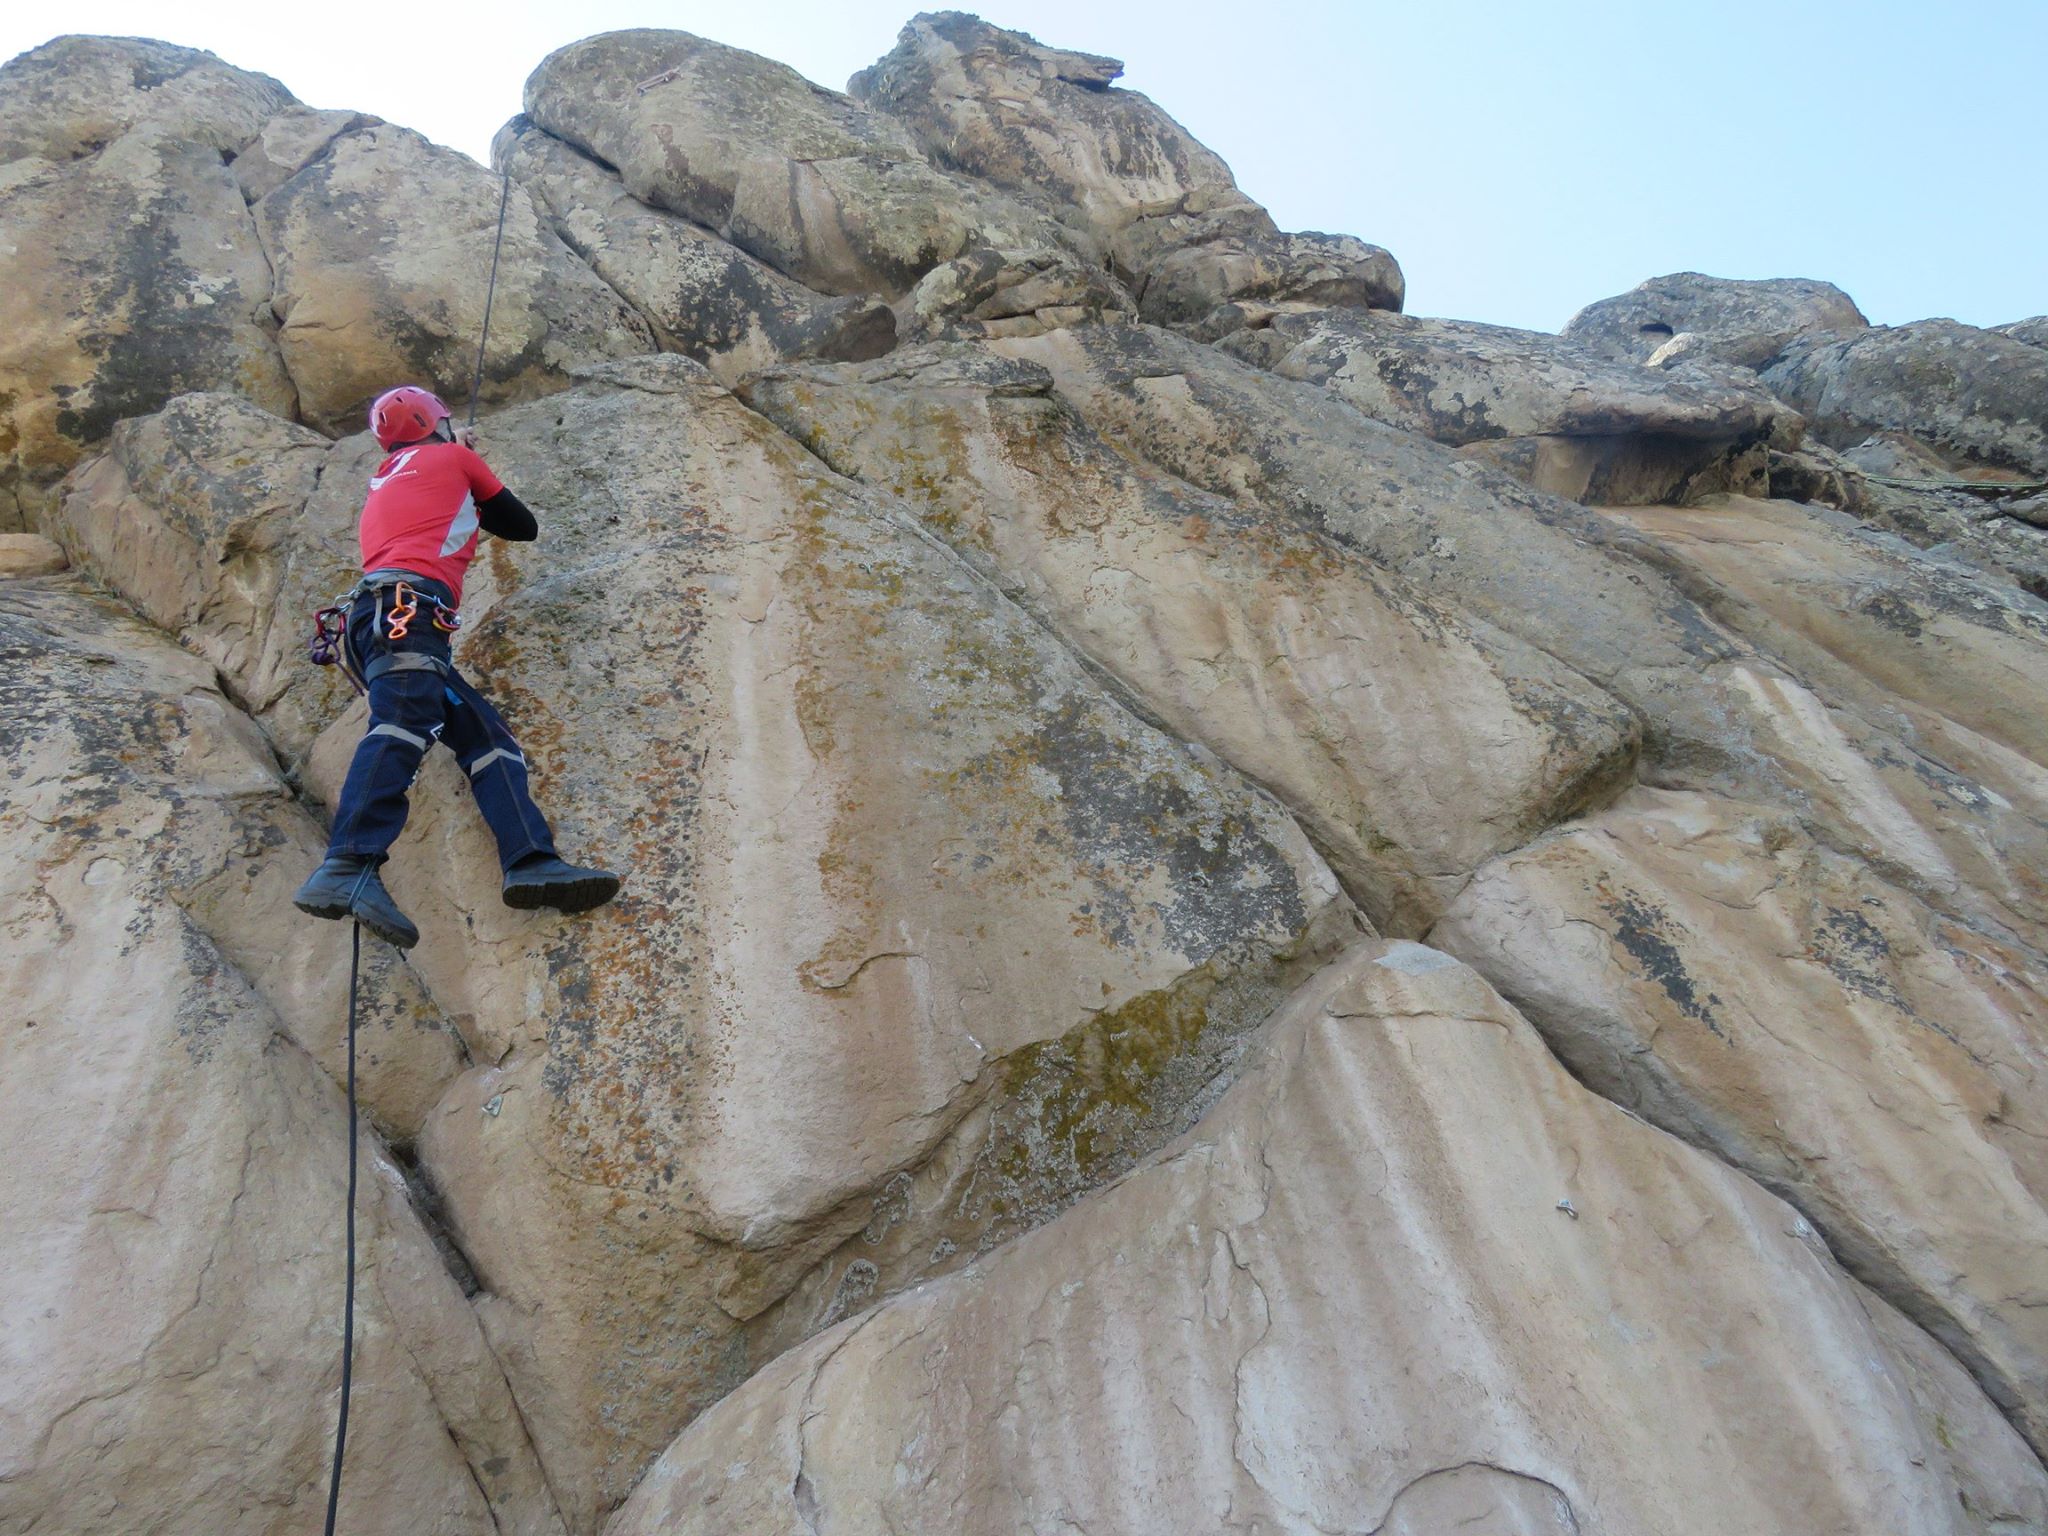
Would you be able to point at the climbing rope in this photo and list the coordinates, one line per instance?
(348, 1306)
(490, 293)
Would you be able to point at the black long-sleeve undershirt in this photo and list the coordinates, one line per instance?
(505, 516)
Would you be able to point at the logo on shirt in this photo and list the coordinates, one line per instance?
(398, 471)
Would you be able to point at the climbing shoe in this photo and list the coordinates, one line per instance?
(348, 885)
(542, 880)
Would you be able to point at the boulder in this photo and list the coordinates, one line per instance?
(1703, 963)
(192, 515)
(1739, 321)
(811, 182)
(1562, 418)
(382, 252)
(1411, 743)
(174, 1180)
(801, 1062)
(29, 554)
(990, 293)
(1974, 394)
(703, 296)
(1902, 789)
(2033, 331)
(74, 96)
(137, 273)
(1294, 1320)
(1142, 196)
(198, 515)
(1043, 123)
(1192, 283)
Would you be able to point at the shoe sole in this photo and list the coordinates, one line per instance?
(331, 910)
(563, 895)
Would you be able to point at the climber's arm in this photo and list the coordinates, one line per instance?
(505, 516)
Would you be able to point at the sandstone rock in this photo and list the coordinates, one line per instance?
(801, 1061)
(703, 296)
(29, 554)
(288, 143)
(195, 515)
(1048, 125)
(136, 272)
(1919, 629)
(74, 96)
(1717, 714)
(809, 181)
(382, 251)
(2033, 331)
(1191, 283)
(1282, 1325)
(1012, 293)
(1410, 743)
(1703, 963)
(1042, 122)
(1976, 394)
(1740, 321)
(1565, 420)
(174, 1176)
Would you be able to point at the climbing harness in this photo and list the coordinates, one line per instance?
(348, 1306)
(327, 646)
(490, 293)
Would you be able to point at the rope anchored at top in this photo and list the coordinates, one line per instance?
(476, 387)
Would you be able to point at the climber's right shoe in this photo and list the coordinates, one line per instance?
(542, 880)
(348, 885)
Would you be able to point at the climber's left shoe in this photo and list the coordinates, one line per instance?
(348, 885)
(542, 880)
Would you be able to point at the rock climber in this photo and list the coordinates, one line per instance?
(428, 502)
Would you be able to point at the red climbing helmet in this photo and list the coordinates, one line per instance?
(406, 414)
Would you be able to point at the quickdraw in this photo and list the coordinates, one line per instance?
(330, 626)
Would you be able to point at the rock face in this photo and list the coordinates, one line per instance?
(1885, 1077)
(2034, 331)
(1563, 419)
(1050, 126)
(812, 183)
(174, 1179)
(1402, 1126)
(138, 273)
(702, 297)
(1046, 647)
(382, 250)
(1973, 393)
(1239, 631)
(847, 753)
(1746, 323)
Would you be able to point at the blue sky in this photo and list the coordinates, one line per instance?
(1520, 159)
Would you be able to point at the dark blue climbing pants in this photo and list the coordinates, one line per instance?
(417, 698)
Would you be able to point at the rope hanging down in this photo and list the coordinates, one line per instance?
(490, 294)
(348, 1307)
(355, 961)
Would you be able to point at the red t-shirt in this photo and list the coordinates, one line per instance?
(421, 511)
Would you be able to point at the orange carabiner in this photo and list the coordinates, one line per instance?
(404, 605)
